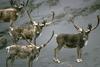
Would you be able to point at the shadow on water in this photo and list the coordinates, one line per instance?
(83, 11)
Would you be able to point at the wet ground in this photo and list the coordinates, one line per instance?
(85, 11)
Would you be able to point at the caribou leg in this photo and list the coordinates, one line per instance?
(60, 42)
(79, 53)
(30, 62)
(7, 60)
(10, 58)
(12, 61)
(56, 51)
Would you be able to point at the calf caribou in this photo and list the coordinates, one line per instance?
(29, 31)
(29, 52)
(77, 41)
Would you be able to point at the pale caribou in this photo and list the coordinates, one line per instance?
(11, 14)
(30, 52)
(29, 31)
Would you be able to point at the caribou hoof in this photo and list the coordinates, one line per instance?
(79, 60)
(56, 60)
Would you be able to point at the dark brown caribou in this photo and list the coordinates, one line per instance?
(77, 41)
(30, 52)
(29, 31)
(11, 14)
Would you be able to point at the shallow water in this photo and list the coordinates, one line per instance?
(84, 14)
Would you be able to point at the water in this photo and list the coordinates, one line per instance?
(84, 14)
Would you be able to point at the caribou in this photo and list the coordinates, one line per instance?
(78, 40)
(11, 14)
(30, 52)
(29, 31)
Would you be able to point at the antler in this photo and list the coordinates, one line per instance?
(98, 22)
(12, 2)
(77, 27)
(33, 22)
(53, 14)
(45, 21)
(48, 40)
(27, 2)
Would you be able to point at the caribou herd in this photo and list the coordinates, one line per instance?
(33, 29)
